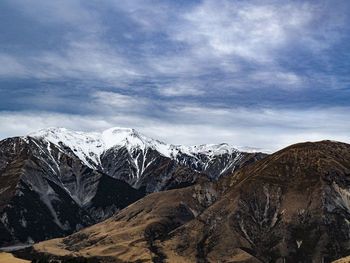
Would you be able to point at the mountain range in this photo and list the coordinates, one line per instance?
(119, 196)
(291, 206)
(55, 182)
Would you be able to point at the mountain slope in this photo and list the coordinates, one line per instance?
(292, 206)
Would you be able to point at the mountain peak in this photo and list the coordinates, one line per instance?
(127, 137)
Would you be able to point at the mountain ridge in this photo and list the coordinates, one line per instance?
(129, 138)
(93, 148)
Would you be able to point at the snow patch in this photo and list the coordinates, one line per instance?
(299, 243)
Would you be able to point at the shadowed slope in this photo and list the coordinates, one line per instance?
(45, 193)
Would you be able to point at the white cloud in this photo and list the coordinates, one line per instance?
(213, 34)
(247, 29)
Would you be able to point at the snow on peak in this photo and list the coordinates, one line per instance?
(86, 146)
(127, 137)
(89, 146)
(107, 139)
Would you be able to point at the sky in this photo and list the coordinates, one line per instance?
(255, 73)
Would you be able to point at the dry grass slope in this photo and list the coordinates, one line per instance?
(129, 235)
(9, 258)
(343, 260)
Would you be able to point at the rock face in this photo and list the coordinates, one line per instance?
(56, 182)
(146, 169)
(292, 206)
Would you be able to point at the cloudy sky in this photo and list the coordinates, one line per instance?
(255, 73)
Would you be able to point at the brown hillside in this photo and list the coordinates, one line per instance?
(129, 235)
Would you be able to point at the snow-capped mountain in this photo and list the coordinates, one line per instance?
(56, 181)
(137, 153)
(89, 147)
